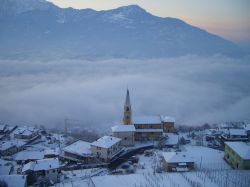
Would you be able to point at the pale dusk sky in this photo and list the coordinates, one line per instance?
(227, 18)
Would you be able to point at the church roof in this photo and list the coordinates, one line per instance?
(106, 141)
(123, 128)
(147, 120)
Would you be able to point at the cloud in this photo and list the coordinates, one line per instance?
(193, 89)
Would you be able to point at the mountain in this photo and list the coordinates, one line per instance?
(39, 28)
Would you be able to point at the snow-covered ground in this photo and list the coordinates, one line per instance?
(141, 180)
(219, 178)
(206, 158)
(84, 173)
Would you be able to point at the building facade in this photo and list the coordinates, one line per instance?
(237, 154)
(234, 135)
(147, 128)
(106, 148)
(8, 148)
(79, 151)
(126, 133)
(174, 161)
(46, 168)
(25, 132)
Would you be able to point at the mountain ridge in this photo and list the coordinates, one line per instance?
(125, 32)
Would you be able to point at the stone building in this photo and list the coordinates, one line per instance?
(106, 148)
(125, 133)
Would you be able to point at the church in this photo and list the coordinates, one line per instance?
(141, 128)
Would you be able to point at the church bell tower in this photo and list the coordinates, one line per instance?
(127, 118)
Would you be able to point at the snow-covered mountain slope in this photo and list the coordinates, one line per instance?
(38, 28)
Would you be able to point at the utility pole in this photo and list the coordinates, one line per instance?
(66, 126)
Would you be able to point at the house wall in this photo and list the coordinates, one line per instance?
(3, 131)
(235, 160)
(127, 138)
(106, 154)
(78, 157)
(148, 126)
(168, 127)
(246, 164)
(52, 175)
(142, 136)
(248, 133)
(10, 151)
(22, 136)
(170, 166)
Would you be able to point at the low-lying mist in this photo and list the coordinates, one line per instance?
(193, 89)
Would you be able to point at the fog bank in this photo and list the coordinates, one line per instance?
(193, 89)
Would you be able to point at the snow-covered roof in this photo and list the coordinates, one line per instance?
(5, 170)
(147, 120)
(2, 127)
(241, 148)
(237, 132)
(172, 139)
(149, 130)
(224, 125)
(9, 144)
(51, 151)
(247, 127)
(29, 155)
(25, 130)
(167, 119)
(106, 141)
(3, 162)
(14, 180)
(123, 128)
(80, 147)
(6, 145)
(176, 157)
(39, 165)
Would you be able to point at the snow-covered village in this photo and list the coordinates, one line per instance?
(141, 151)
(124, 93)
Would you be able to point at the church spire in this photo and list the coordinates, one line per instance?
(127, 118)
(127, 101)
